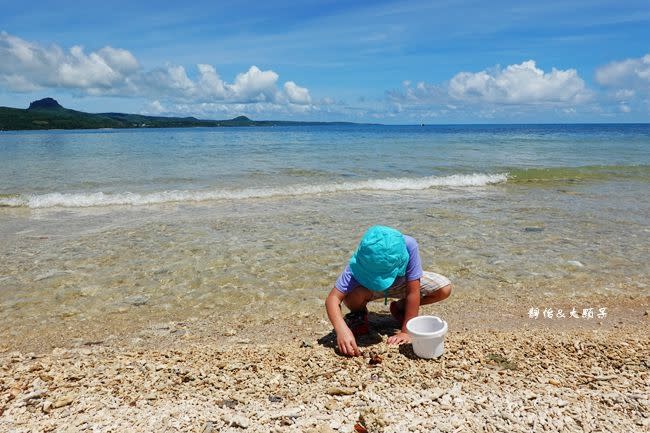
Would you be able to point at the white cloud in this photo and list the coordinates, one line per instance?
(86, 71)
(624, 94)
(627, 84)
(422, 93)
(209, 82)
(28, 66)
(18, 83)
(255, 85)
(628, 73)
(119, 59)
(154, 108)
(172, 82)
(521, 84)
(513, 92)
(296, 94)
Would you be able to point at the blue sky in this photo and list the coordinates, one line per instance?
(382, 61)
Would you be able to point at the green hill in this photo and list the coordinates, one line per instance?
(47, 113)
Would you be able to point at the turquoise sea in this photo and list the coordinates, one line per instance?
(106, 226)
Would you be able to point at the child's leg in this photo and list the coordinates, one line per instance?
(433, 288)
(439, 295)
(357, 299)
(357, 319)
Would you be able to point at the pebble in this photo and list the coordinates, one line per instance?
(137, 300)
(35, 395)
(341, 390)
(287, 413)
(63, 401)
(14, 392)
(47, 406)
(236, 421)
(208, 427)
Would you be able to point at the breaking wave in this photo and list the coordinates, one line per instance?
(56, 199)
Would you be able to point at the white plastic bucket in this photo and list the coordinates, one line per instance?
(427, 335)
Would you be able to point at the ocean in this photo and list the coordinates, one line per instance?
(121, 226)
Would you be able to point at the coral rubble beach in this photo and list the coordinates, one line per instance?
(198, 376)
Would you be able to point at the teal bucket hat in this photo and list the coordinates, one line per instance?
(380, 257)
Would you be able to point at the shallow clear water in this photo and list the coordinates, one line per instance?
(107, 226)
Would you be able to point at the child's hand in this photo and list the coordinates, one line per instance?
(399, 338)
(346, 343)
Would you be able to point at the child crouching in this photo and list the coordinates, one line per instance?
(385, 264)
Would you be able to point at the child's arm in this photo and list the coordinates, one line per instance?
(345, 340)
(412, 306)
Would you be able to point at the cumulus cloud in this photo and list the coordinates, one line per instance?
(28, 66)
(252, 86)
(154, 108)
(167, 82)
(626, 83)
(523, 84)
(519, 84)
(209, 82)
(255, 85)
(625, 73)
(493, 93)
(296, 94)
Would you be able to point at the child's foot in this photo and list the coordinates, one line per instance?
(357, 321)
(397, 312)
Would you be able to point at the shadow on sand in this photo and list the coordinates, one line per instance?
(380, 324)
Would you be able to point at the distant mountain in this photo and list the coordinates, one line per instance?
(45, 104)
(47, 113)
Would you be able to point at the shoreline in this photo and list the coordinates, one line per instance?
(138, 326)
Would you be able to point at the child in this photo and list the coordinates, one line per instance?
(386, 263)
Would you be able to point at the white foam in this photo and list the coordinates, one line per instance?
(135, 199)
